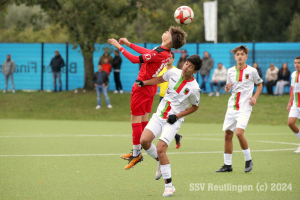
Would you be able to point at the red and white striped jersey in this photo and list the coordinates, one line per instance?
(295, 83)
(242, 82)
(179, 95)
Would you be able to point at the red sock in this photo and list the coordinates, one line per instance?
(144, 124)
(136, 133)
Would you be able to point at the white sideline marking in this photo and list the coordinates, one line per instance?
(248, 140)
(203, 152)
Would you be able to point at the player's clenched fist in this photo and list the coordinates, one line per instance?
(124, 41)
(252, 101)
(227, 87)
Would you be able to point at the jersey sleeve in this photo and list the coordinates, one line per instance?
(152, 56)
(293, 80)
(228, 78)
(167, 75)
(195, 97)
(139, 49)
(256, 77)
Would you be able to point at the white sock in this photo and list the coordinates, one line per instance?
(152, 151)
(166, 173)
(247, 154)
(227, 159)
(136, 150)
(298, 134)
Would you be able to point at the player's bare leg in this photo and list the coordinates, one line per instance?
(149, 147)
(295, 129)
(136, 156)
(165, 168)
(244, 145)
(228, 147)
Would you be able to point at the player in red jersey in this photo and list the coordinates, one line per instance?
(153, 61)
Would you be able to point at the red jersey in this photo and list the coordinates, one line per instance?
(106, 67)
(153, 62)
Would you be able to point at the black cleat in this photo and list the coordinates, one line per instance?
(178, 138)
(248, 166)
(225, 168)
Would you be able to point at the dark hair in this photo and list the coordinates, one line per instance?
(298, 57)
(173, 55)
(178, 37)
(281, 70)
(196, 60)
(242, 47)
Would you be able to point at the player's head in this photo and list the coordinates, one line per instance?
(297, 63)
(171, 59)
(175, 37)
(100, 68)
(192, 65)
(240, 54)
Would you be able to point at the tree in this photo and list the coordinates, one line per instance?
(89, 21)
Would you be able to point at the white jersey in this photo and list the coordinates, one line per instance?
(242, 82)
(179, 95)
(295, 83)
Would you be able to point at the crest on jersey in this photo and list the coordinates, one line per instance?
(147, 57)
(186, 91)
(246, 76)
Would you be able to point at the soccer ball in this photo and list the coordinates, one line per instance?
(184, 15)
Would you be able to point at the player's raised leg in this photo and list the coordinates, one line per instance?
(148, 136)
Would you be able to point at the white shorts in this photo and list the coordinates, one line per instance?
(294, 112)
(236, 119)
(160, 126)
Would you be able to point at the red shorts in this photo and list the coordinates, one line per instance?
(141, 104)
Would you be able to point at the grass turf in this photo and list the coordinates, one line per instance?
(60, 159)
(81, 106)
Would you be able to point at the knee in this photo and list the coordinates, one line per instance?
(290, 124)
(144, 142)
(228, 136)
(239, 135)
(160, 150)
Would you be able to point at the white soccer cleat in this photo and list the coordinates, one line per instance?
(109, 106)
(97, 107)
(158, 173)
(298, 150)
(169, 191)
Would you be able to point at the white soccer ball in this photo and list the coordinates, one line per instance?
(184, 15)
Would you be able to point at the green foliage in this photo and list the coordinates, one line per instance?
(293, 31)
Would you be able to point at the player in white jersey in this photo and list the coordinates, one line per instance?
(241, 78)
(294, 103)
(183, 91)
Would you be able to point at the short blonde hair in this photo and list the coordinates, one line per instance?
(242, 47)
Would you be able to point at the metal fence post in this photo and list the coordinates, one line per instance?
(42, 68)
(67, 66)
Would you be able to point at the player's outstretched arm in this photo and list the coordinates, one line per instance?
(137, 48)
(290, 100)
(259, 88)
(153, 81)
(129, 56)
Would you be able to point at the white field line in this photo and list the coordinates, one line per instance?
(202, 152)
(297, 144)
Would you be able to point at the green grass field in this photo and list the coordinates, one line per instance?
(58, 159)
(57, 146)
